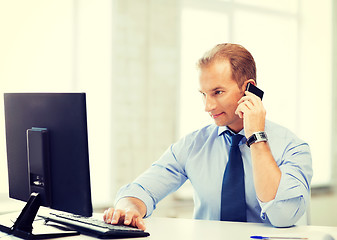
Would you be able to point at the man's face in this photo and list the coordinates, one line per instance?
(221, 95)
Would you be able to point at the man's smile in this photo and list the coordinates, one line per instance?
(214, 116)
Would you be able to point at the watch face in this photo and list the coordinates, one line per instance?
(262, 134)
(257, 137)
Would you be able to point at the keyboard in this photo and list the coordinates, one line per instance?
(95, 227)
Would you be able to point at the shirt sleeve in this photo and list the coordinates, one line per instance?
(293, 194)
(164, 177)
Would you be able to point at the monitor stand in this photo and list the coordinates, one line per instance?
(23, 226)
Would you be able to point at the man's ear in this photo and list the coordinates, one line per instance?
(252, 81)
(244, 85)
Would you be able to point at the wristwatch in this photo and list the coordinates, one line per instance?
(257, 137)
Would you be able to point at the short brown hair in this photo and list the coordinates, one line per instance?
(240, 59)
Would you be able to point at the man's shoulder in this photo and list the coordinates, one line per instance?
(202, 134)
(205, 131)
(276, 128)
(280, 133)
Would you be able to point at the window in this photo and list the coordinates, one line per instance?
(291, 45)
(50, 46)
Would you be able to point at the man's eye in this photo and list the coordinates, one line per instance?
(218, 92)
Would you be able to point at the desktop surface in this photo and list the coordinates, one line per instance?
(174, 228)
(190, 229)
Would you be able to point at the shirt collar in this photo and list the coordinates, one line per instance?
(223, 129)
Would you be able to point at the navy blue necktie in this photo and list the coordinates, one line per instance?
(233, 200)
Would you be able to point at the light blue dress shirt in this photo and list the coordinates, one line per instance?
(202, 156)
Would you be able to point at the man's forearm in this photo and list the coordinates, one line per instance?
(267, 174)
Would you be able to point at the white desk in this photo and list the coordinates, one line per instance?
(189, 229)
(166, 228)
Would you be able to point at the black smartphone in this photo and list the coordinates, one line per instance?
(253, 89)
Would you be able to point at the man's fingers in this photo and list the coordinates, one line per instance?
(133, 218)
(105, 215)
(108, 215)
(250, 97)
(140, 223)
(248, 105)
(116, 216)
(243, 107)
(128, 217)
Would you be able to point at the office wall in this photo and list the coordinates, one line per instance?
(334, 92)
(145, 84)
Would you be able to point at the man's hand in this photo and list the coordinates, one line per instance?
(251, 109)
(128, 211)
(124, 216)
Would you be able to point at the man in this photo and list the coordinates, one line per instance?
(277, 165)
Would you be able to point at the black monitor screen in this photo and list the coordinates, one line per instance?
(63, 116)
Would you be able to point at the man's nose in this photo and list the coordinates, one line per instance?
(210, 104)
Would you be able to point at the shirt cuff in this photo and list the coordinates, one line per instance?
(289, 188)
(264, 207)
(137, 191)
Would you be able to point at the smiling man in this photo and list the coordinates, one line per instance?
(242, 168)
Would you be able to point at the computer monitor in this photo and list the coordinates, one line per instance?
(47, 151)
